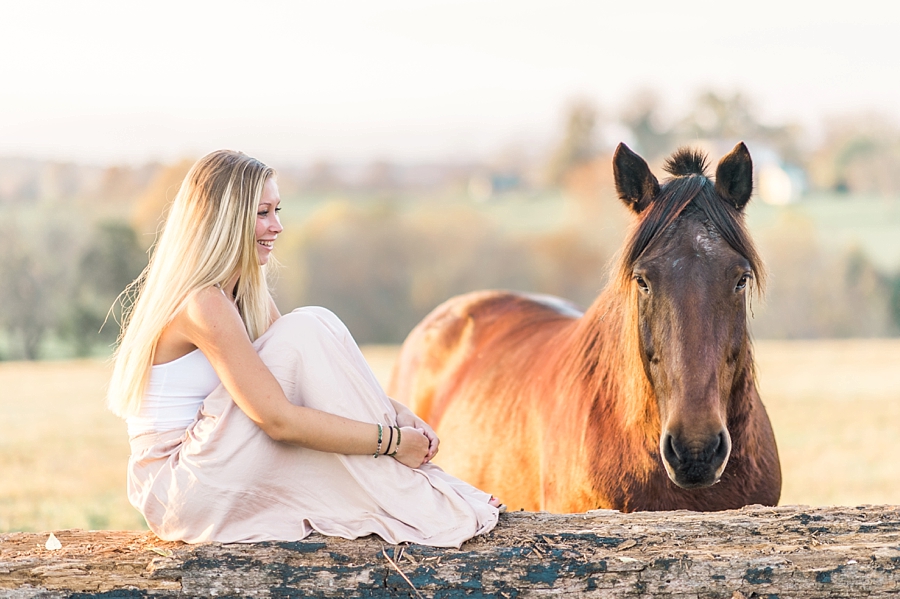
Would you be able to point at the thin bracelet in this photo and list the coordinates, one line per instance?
(397, 448)
(380, 433)
(390, 440)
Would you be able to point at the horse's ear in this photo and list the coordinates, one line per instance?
(635, 183)
(734, 177)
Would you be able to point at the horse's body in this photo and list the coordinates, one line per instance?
(639, 403)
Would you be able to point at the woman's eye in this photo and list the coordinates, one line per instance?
(263, 214)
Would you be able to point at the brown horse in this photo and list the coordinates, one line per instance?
(641, 402)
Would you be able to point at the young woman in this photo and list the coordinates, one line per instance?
(246, 425)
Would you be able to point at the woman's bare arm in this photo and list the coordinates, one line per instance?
(211, 322)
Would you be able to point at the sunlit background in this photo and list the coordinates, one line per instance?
(429, 148)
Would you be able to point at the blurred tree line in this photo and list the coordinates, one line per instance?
(68, 247)
(857, 155)
(383, 244)
(383, 266)
(60, 281)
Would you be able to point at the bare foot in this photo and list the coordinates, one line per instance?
(496, 503)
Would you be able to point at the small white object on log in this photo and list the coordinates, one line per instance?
(53, 543)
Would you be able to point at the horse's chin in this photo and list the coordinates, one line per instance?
(691, 485)
(693, 479)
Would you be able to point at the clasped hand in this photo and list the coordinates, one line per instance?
(419, 441)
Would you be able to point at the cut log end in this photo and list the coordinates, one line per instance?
(790, 551)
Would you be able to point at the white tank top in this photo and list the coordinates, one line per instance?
(174, 394)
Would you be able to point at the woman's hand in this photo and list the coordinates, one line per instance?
(406, 417)
(414, 447)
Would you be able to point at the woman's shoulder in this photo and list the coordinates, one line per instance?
(208, 298)
(209, 308)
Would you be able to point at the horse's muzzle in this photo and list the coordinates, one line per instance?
(695, 465)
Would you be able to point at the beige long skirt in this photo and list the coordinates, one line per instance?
(223, 479)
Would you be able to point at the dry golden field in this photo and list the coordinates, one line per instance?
(835, 406)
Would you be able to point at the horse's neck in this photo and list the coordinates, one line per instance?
(605, 341)
(743, 394)
(604, 361)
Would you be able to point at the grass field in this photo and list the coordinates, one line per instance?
(835, 406)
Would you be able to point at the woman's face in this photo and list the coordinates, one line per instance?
(268, 225)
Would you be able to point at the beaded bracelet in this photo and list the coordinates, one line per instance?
(380, 436)
(397, 448)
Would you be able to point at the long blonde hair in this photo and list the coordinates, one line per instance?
(208, 237)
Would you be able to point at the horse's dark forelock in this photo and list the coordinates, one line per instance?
(686, 161)
(697, 192)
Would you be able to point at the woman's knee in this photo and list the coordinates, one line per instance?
(303, 324)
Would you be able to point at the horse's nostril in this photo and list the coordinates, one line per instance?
(670, 453)
(722, 446)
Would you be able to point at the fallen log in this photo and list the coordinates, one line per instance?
(791, 551)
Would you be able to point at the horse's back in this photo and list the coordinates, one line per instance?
(441, 349)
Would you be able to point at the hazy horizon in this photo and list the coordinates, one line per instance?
(409, 81)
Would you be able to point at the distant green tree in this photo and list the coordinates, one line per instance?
(894, 305)
(24, 315)
(35, 275)
(108, 263)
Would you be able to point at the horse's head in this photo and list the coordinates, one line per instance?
(690, 264)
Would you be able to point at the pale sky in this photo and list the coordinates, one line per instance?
(410, 80)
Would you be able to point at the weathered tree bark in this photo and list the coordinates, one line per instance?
(754, 552)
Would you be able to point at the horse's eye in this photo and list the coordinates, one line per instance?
(742, 283)
(642, 283)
